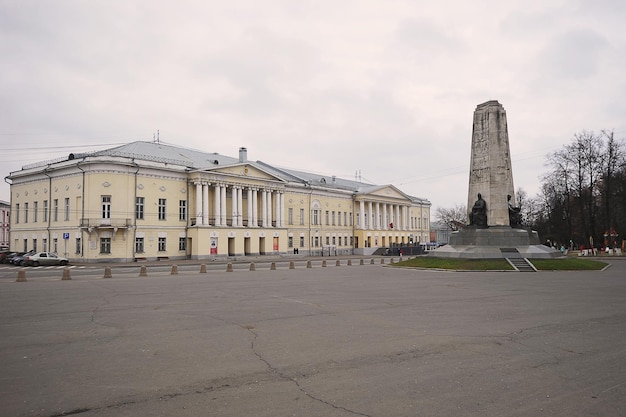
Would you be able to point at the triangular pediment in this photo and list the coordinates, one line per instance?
(243, 170)
(385, 192)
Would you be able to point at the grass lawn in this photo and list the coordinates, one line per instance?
(458, 264)
(566, 264)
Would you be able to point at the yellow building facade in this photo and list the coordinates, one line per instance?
(148, 200)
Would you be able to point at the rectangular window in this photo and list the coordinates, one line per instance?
(301, 241)
(182, 243)
(105, 245)
(290, 216)
(162, 202)
(315, 217)
(17, 213)
(36, 212)
(44, 242)
(301, 217)
(79, 246)
(351, 219)
(327, 218)
(162, 244)
(67, 209)
(139, 208)
(182, 210)
(55, 210)
(106, 207)
(290, 242)
(327, 240)
(25, 245)
(338, 218)
(25, 212)
(45, 211)
(55, 245)
(35, 245)
(334, 240)
(317, 241)
(139, 245)
(333, 217)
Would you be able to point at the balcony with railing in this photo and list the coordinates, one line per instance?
(112, 223)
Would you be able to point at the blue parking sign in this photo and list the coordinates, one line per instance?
(66, 236)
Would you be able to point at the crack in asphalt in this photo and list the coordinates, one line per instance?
(286, 377)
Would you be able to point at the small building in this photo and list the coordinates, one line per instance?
(149, 200)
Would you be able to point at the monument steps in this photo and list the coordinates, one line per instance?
(521, 264)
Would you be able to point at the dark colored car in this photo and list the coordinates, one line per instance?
(17, 258)
(4, 256)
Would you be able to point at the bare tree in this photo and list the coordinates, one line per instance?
(613, 159)
(585, 188)
(455, 218)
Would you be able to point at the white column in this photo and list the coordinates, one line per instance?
(199, 213)
(405, 218)
(250, 207)
(377, 224)
(396, 217)
(361, 214)
(205, 203)
(239, 206)
(370, 215)
(269, 208)
(255, 208)
(277, 207)
(282, 209)
(385, 220)
(233, 206)
(264, 208)
(217, 206)
(223, 213)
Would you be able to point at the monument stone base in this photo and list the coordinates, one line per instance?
(495, 242)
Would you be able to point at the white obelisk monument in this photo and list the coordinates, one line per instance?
(494, 229)
(490, 164)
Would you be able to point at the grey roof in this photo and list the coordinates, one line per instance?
(326, 181)
(161, 152)
(194, 159)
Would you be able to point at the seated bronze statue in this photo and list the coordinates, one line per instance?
(478, 215)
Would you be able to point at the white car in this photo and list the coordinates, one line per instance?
(44, 258)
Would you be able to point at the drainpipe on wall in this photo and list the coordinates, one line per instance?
(187, 224)
(10, 208)
(353, 220)
(134, 213)
(82, 210)
(45, 171)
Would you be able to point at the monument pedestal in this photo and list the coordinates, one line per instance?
(495, 242)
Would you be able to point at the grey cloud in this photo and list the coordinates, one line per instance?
(574, 55)
(427, 37)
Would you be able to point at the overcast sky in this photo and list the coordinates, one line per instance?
(385, 88)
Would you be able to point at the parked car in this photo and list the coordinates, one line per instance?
(4, 256)
(44, 258)
(17, 258)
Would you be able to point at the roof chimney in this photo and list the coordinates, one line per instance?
(243, 155)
